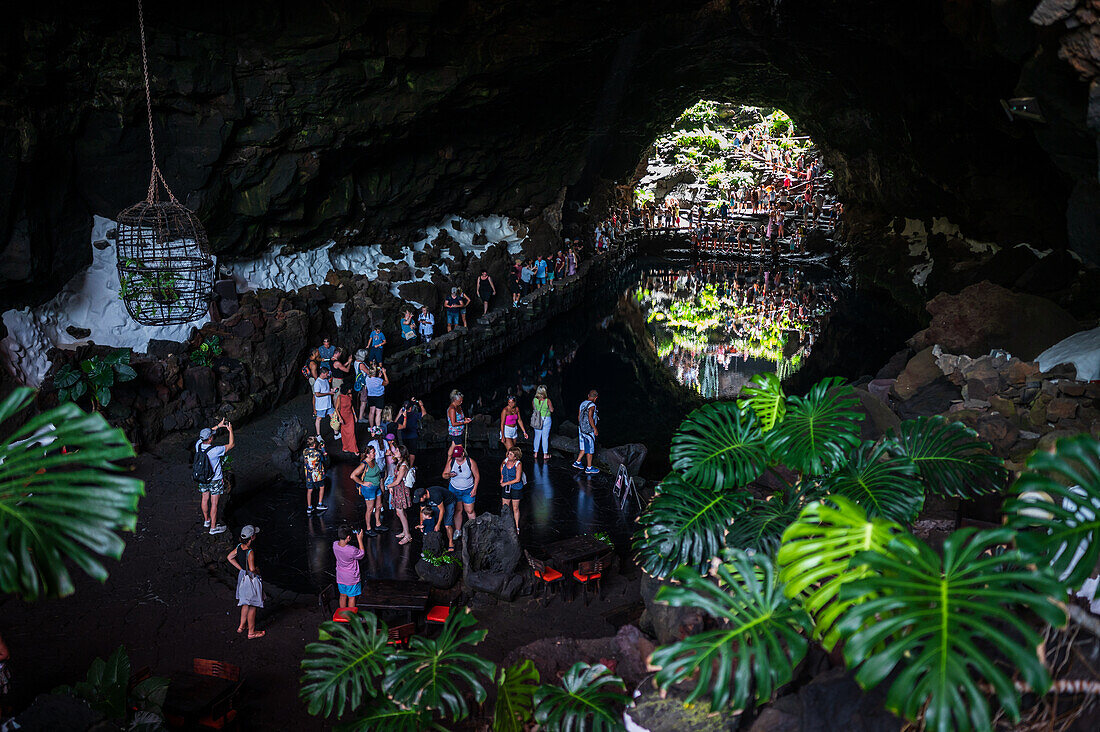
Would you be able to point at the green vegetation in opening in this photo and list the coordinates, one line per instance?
(95, 378)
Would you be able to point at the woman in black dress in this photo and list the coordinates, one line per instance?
(486, 290)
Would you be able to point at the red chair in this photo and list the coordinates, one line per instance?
(342, 614)
(399, 635)
(547, 575)
(589, 572)
(222, 713)
(438, 614)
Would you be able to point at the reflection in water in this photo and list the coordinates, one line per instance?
(716, 324)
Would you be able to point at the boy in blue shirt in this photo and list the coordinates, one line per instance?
(377, 340)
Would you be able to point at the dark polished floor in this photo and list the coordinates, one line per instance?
(295, 550)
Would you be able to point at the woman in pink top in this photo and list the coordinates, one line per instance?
(347, 565)
(511, 424)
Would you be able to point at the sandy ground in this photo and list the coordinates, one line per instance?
(166, 603)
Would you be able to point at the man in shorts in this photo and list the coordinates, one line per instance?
(587, 432)
(442, 503)
(313, 465)
(463, 475)
(454, 308)
(213, 489)
(322, 399)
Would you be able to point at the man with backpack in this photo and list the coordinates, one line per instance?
(206, 471)
(587, 432)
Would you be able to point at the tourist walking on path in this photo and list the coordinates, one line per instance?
(322, 399)
(377, 340)
(250, 588)
(462, 473)
(442, 502)
(486, 291)
(368, 476)
(374, 386)
(399, 491)
(456, 420)
(313, 466)
(346, 411)
(347, 565)
(511, 424)
(587, 432)
(207, 473)
(454, 307)
(427, 325)
(541, 410)
(408, 423)
(515, 285)
(511, 482)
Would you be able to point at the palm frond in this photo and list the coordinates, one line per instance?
(345, 667)
(884, 484)
(949, 457)
(516, 686)
(719, 445)
(590, 699)
(766, 398)
(818, 430)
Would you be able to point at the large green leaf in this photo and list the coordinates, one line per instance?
(949, 457)
(819, 429)
(815, 557)
(516, 686)
(758, 642)
(949, 629)
(62, 498)
(106, 685)
(345, 667)
(765, 396)
(1056, 508)
(760, 522)
(436, 673)
(719, 445)
(684, 524)
(590, 699)
(384, 715)
(66, 376)
(884, 484)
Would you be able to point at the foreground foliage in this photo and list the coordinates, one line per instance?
(590, 699)
(63, 498)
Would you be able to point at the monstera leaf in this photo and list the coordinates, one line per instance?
(385, 715)
(819, 429)
(436, 673)
(684, 525)
(815, 558)
(1056, 508)
(948, 456)
(885, 485)
(758, 642)
(766, 398)
(344, 669)
(516, 686)
(590, 699)
(62, 497)
(759, 525)
(949, 629)
(719, 445)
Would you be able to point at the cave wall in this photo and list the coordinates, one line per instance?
(289, 123)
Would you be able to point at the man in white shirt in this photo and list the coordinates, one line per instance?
(322, 398)
(427, 324)
(212, 490)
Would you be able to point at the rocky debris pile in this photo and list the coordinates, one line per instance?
(625, 654)
(491, 556)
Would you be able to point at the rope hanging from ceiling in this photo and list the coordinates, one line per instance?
(165, 269)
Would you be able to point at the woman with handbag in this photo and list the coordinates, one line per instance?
(399, 492)
(541, 409)
(250, 588)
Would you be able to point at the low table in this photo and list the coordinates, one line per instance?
(401, 595)
(565, 553)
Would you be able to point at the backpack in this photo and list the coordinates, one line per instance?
(201, 469)
(360, 380)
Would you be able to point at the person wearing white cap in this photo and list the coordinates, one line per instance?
(250, 588)
(209, 476)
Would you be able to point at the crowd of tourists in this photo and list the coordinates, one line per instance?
(385, 475)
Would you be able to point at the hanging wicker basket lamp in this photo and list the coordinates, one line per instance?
(165, 269)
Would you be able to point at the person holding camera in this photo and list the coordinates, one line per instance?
(408, 422)
(206, 470)
(347, 565)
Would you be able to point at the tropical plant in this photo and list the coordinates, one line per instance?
(719, 445)
(757, 644)
(438, 559)
(205, 354)
(590, 698)
(1056, 508)
(435, 673)
(63, 498)
(884, 484)
(934, 622)
(765, 396)
(759, 525)
(948, 456)
(816, 555)
(95, 377)
(345, 667)
(107, 690)
(684, 524)
(818, 429)
(515, 705)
